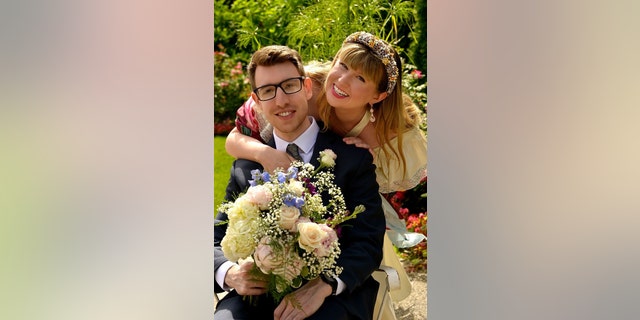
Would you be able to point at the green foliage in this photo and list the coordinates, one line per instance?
(251, 24)
(418, 47)
(316, 28)
(318, 31)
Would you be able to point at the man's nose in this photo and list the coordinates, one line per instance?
(281, 96)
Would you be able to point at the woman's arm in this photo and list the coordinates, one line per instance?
(239, 145)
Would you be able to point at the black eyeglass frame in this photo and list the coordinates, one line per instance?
(279, 85)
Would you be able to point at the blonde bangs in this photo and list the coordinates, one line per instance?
(360, 58)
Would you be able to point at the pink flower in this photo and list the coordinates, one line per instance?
(293, 266)
(327, 242)
(417, 74)
(264, 256)
(260, 195)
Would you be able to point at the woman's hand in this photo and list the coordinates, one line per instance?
(358, 143)
(271, 158)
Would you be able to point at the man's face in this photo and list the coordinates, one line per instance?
(286, 112)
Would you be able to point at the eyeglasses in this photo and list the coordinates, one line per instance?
(288, 86)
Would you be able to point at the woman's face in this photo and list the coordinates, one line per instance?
(349, 88)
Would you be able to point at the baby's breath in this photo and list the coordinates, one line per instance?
(276, 249)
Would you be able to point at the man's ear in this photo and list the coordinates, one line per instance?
(380, 97)
(308, 87)
(258, 105)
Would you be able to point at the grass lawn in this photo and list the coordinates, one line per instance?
(221, 169)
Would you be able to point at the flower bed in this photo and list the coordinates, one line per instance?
(411, 205)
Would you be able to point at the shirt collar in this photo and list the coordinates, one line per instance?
(305, 141)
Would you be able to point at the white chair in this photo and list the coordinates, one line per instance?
(389, 281)
(395, 284)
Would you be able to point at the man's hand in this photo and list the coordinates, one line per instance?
(243, 281)
(303, 302)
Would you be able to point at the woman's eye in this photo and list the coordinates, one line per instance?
(361, 78)
(344, 66)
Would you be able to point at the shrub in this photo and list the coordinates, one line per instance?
(415, 85)
(231, 87)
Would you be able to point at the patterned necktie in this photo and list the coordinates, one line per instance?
(292, 149)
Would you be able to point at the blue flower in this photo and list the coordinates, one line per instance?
(293, 172)
(266, 176)
(282, 177)
(292, 201)
(256, 175)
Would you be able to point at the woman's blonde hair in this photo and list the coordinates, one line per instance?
(395, 114)
(317, 70)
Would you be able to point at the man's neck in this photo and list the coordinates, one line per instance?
(292, 136)
(304, 141)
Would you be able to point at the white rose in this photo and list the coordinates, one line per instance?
(296, 187)
(311, 236)
(328, 157)
(288, 217)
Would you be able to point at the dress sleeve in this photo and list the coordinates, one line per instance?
(246, 120)
(389, 171)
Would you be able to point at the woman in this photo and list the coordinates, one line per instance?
(363, 101)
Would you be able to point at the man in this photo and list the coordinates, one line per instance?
(282, 92)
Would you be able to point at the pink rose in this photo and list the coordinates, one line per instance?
(293, 267)
(264, 256)
(327, 242)
(260, 195)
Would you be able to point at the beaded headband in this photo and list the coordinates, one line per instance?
(382, 51)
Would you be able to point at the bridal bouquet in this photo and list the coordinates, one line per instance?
(282, 224)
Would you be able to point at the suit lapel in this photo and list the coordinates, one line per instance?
(322, 143)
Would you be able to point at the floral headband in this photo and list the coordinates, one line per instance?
(382, 51)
